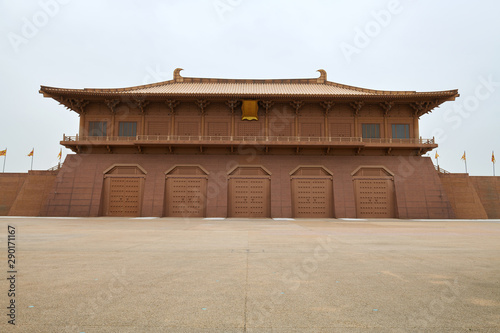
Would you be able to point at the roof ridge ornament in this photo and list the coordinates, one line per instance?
(322, 78)
(177, 75)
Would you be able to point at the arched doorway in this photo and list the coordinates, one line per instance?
(249, 192)
(186, 191)
(312, 192)
(122, 190)
(375, 194)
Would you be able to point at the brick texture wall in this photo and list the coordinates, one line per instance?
(32, 196)
(463, 197)
(10, 185)
(77, 190)
(488, 190)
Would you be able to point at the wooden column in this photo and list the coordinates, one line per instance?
(143, 131)
(297, 105)
(266, 105)
(202, 104)
(356, 106)
(172, 104)
(112, 125)
(141, 105)
(232, 104)
(232, 123)
(78, 105)
(328, 106)
(416, 130)
(387, 107)
(419, 109)
(82, 125)
(112, 104)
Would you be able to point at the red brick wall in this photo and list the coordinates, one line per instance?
(33, 193)
(10, 185)
(78, 187)
(463, 197)
(488, 190)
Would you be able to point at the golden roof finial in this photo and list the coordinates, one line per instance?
(177, 75)
(322, 78)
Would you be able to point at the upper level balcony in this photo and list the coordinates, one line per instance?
(141, 142)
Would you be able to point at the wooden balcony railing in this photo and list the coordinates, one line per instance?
(179, 139)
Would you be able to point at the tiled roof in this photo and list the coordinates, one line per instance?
(246, 88)
(193, 87)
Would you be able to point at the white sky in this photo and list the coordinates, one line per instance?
(422, 45)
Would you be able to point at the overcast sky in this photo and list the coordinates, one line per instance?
(391, 45)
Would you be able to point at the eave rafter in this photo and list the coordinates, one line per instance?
(76, 104)
(421, 108)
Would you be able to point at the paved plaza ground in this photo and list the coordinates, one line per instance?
(243, 275)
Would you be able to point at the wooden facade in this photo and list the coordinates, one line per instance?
(253, 148)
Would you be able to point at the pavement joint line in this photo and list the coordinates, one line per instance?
(246, 296)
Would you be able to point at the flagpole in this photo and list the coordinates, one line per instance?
(493, 161)
(465, 160)
(60, 156)
(32, 158)
(4, 159)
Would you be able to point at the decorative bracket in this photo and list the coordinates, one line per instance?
(422, 107)
(387, 107)
(77, 105)
(266, 105)
(233, 104)
(141, 103)
(297, 105)
(357, 106)
(172, 104)
(112, 103)
(202, 104)
(328, 106)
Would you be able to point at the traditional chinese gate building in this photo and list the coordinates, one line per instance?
(203, 147)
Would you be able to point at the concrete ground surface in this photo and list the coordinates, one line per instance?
(243, 275)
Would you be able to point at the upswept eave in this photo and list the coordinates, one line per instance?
(244, 88)
(186, 88)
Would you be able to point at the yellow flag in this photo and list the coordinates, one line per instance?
(3, 152)
(493, 157)
(250, 110)
(60, 154)
(32, 152)
(437, 155)
(463, 157)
